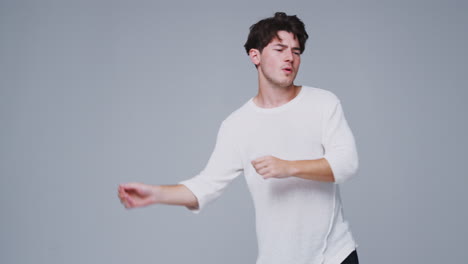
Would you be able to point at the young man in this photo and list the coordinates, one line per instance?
(293, 145)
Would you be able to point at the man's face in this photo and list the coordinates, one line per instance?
(279, 61)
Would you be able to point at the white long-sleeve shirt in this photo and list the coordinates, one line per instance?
(297, 220)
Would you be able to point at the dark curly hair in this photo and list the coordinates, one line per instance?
(266, 29)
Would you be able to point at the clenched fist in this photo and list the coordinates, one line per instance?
(272, 167)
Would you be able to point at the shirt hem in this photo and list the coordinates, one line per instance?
(342, 255)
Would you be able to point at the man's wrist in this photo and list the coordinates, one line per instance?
(157, 194)
(293, 169)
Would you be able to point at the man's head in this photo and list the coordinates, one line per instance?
(274, 45)
(264, 31)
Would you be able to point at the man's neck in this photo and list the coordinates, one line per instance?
(271, 97)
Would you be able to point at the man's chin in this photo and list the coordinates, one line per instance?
(284, 83)
(287, 84)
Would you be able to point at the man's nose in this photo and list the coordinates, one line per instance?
(288, 55)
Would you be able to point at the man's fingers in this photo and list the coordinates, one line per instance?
(125, 203)
(126, 187)
(130, 186)
(128, 191)
(123, 194)
(121, 190)
(258, 160)
(129, 201)
(136, 189)
(123, 199)
(134, 194)
(262, 171)
(262, 166)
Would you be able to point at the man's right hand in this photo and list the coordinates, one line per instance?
(137, 194)
(134, 195)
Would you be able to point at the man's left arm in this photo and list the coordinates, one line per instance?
(340, 160)
(272, 167)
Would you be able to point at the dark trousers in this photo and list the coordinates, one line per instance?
(351, 259)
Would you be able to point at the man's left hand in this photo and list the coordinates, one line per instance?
(272, 167)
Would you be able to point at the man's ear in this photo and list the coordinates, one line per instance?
(255, 56)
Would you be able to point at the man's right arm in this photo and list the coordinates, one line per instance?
(133, 195)
(224, 165)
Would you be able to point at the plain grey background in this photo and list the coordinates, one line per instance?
(96, 93)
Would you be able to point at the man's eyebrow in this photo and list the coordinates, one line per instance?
(281, 45)
(285, 46)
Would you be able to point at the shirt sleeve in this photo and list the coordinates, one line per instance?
(223, 166)
(339, 144)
